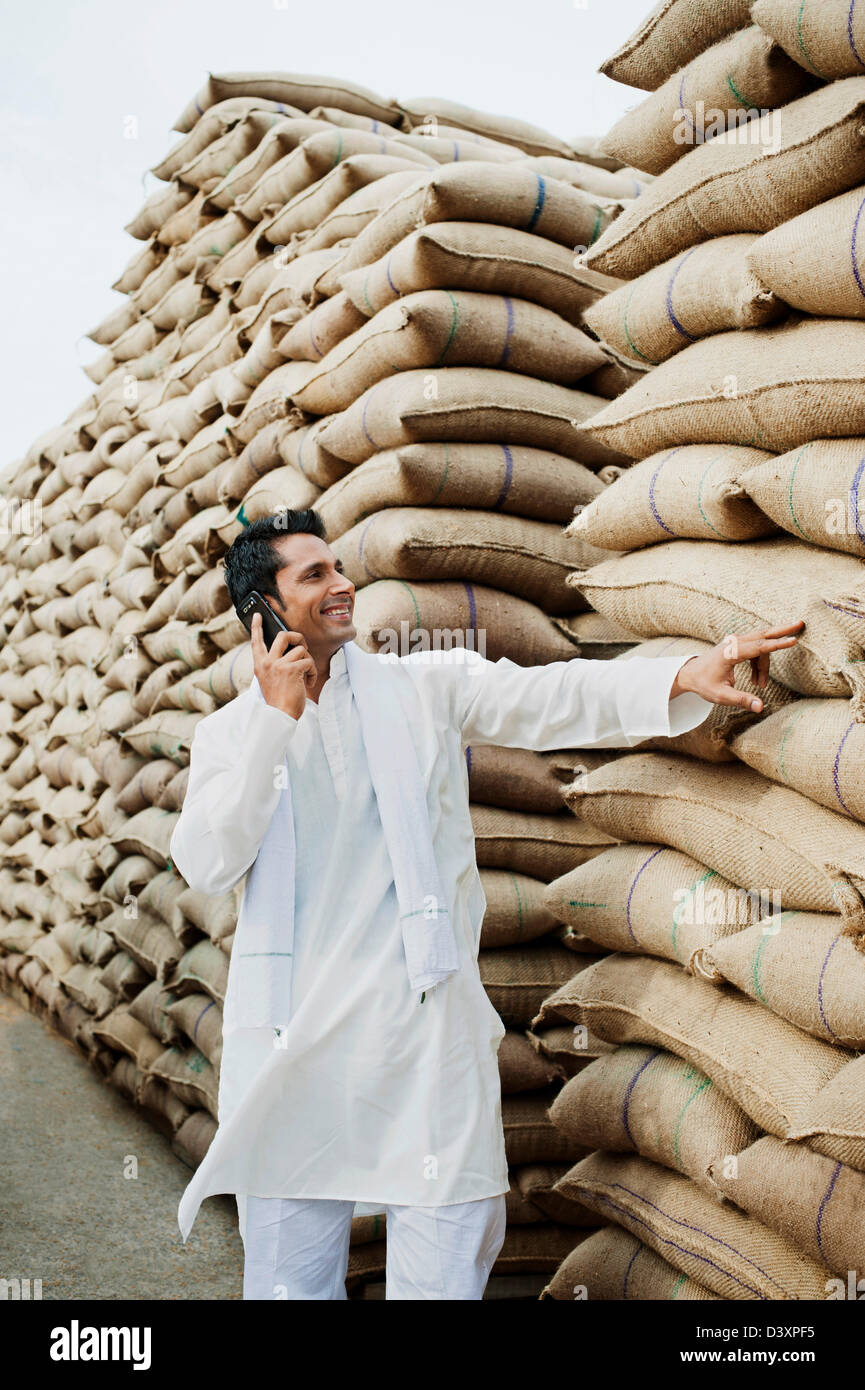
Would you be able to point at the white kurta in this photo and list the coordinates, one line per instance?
(366, 1094)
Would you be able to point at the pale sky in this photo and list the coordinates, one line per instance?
(73, 75)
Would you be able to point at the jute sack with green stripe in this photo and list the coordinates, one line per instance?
(521, 1068)
(455, 328)
(814, 492)
(747, 179)
(732, 1254)
(802, 966)
(774, 388)
(652, 900)
(507, 195)
(812, 1200)
(826, 36)
(167, 734)
(505, 478)
(280, 488)
(530, 559)
(516, 778)
(540, 846)
(517, 979)
(703, 291)
(770, 1069)
(741, 74)
(833, 1122)
(709, 740)
(674, 32)
(815, 747)
(309, 207)
(478, 256)
(321, 329)
(613, 1265)
(709, 590)
(815, 261)
(390, 613)
(768, 838)
(468, 404)
(646, 1100)
(515, 910)
(691, 491)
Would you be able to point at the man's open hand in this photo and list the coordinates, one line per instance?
(713, 675)
(284, 676)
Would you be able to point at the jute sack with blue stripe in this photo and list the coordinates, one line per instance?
(647, 899)
(510, 479)
(803, 967)
(793, 159)
(817, 493)
(816, 261)
(647, 1100)
(744, 73)
(814, 1201)
(732, 1254)
(692, 490)
(703, 291)
(612, 1265)
(826, 36)
(816, 747)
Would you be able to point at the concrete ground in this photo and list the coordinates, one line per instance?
(68, 1215)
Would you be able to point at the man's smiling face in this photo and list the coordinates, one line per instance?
(317, 598)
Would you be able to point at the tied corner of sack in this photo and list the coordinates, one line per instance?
(847, 890)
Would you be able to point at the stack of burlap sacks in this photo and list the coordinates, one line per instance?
(719, 1076)
(373, 308)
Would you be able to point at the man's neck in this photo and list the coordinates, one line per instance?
(322, 672)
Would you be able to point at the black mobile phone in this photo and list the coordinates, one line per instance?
(271, 623)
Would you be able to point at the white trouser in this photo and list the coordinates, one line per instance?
(297, 1248)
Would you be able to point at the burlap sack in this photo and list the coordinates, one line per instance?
(536, 1184)
(284, 135)
(449, 328)
(768, 1067)
(689, 491)
(612, 1265)
(760, 835)
(148, 941)
(652, 1102)
(313, 336)
(530, 1135)
(708, 589)
(774, 388)
(733, 1255)
(803, 967)
(833, 1122)
(519, 779)
(272, 400)
(708, 289)
(469, 404)
(542, 846)
(203, 967)
(306, 209)
(815, 747)
(621, 186)
(150, 1007)
(497, 477)
(815, 1202)
(350, 217)
(522, 134)
(200, 1019)
(120, 1030)
(501, 195)
(515, 911)
(214, 915)
(709, 740)
(826, 37)
(519, 1211)
(674, 32)
(162, 1107)
(286, 89)
(478, 256)
(391, 615)
(521, 1068)
(815, 261)
(193, 1138)
(187, 1072)
(302, 449)
(530, 559)
(814, 493)
(166, 735)
(747, 179)
(741, 74)
(518, 979)
(229, 674)
(648, 899)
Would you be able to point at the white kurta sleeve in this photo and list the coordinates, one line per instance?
(573, 704)
(231, 796)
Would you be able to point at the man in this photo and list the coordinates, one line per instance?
(359, 1061)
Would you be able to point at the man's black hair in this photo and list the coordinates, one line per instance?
(252, 562)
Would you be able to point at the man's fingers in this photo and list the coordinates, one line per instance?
(729, 695)
(745, 647)
(258, 647)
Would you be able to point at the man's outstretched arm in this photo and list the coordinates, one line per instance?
(606, 704)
